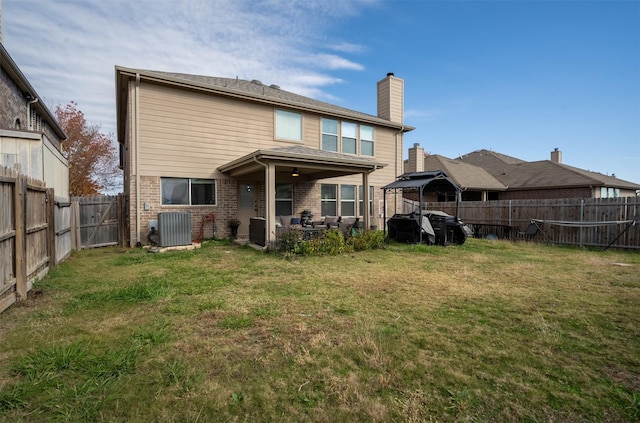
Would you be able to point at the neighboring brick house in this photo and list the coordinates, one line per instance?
(30, 137)
(241, 149)
(487, 175)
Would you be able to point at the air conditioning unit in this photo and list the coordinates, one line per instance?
(174, 229)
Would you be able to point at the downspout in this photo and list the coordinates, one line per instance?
(366, 215)
(395, 197)
(29, 126)
(137, 162)
(29, 103)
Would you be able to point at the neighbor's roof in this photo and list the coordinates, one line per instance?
(487, 159)
(13, 71)
(548, 174)
(252, 91)
(467, 176)
(519, 174)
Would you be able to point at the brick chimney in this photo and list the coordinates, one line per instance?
(415, 163)
(391, 98)
(556, 156)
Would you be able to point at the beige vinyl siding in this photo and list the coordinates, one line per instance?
(190, 134)
(397, 100)
(391, 99)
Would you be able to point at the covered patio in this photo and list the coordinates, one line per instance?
(298, 164)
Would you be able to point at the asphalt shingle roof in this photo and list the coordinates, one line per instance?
(519, 174)
(266, 93)
(467, 176)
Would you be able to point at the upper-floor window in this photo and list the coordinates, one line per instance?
(329, 135)
(288, 125)
(366, 140)
(186, 191)
(349, 137)
(35, 123)
(344, 137)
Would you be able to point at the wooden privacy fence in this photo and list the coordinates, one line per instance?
(579, 212)
(97, 221)
(30, 244)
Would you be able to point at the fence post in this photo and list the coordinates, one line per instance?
(51, 226)
(20, 198)
(76, 244)
(581, 220)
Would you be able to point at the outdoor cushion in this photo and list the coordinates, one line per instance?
(331, 219)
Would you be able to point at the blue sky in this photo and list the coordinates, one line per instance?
(517, 77)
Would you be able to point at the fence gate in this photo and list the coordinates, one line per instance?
(97, 221)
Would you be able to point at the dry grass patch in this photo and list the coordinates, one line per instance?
(487, 331)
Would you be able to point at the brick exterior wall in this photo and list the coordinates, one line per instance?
(13, 104)
(306, 196)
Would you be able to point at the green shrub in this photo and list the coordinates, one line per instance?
(288, 240)
(366, 240)
(331, 242)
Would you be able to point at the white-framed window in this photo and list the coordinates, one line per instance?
(361, 201)
(288, 125)
(366, 140)
(348, 200)
(188, 191)
(329, 135)
(608, 192)
(345, 136)
(284, 199)
(349, 135)
(328, 200)
(35, 123)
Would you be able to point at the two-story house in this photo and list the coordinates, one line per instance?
(30, 137)
(240, 149)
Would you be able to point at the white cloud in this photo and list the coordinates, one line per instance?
(68, 49)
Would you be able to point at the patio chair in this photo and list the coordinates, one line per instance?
(530, 231)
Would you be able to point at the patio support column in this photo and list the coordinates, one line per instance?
(270, 194)
(365, 200)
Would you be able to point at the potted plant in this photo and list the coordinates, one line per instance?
(233, 225)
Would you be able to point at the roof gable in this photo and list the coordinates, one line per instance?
(18, 78)
(488, 159)
(467, 176)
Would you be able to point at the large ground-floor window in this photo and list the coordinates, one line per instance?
(329, 200)
(284, 199)
(347, 200)
(188, 191)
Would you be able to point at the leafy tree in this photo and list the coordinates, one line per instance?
(92, 155)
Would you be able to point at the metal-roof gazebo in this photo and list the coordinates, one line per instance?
(433, 181)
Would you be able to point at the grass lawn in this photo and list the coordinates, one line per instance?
(483, 332)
